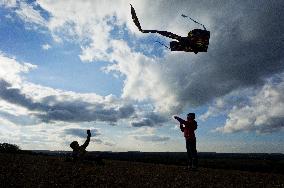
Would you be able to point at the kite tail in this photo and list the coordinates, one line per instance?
(135, 19)
(164, 33)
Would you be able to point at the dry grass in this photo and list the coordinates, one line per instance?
(43, 171)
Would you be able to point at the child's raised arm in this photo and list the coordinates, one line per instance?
(88, 139)
(181, 121)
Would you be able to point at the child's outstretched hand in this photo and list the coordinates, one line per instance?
(89, 132)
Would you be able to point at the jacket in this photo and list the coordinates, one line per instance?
(188, 128)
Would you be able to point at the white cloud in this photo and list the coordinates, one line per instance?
(216, 109)
(144, 77)
(152, 138)
(45, 46)
(28, 14)
(18, 100)
(86, 22)
(8, 3)
(12, 109)
(11, 69)
(223, 105)
(8, 16)
(147, 135)
(144, 131)
(48, 104)
(263, 113)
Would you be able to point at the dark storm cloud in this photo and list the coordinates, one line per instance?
(152, 138)
(274, 124)
(13, 95)
(19, 119)
(246, 47)
(78, 111)
(150, 120)
(270, 125)
(80, 132)
(245, 51)
(69, 111)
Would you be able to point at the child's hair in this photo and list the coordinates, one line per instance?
(191, 115)
(73, 144)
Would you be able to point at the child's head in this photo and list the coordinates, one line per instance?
(74, 145)
(190, 116)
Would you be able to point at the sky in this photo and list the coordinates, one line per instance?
(68, 66)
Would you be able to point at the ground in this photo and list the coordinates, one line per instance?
(21, 170)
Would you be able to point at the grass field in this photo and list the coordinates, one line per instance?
(21, 170)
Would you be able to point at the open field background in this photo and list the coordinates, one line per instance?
(23, 170)
(254, 162)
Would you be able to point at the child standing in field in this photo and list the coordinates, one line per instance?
(188, 127)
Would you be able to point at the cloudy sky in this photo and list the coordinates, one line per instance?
(67, 66)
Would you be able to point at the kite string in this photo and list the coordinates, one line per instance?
(162, 44)
(193, 20)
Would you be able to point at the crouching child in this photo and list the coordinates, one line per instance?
(79, 153)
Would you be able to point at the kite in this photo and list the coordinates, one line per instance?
(196, 41)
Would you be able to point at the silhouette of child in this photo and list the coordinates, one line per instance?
(79, 152)
(188, 127)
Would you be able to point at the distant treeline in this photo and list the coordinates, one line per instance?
(12, 148)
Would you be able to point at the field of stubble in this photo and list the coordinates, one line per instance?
(22, 170)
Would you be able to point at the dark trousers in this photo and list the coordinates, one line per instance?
(191, 152)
